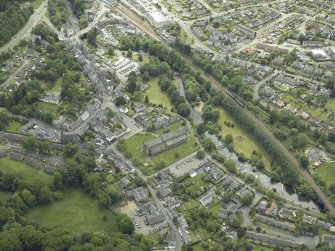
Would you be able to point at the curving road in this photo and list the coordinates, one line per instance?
(145, 27)
(33, 20)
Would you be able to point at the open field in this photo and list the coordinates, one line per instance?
(77, 212)
(134, 145)
(327, 173)
(156, 96)
(28, 173)
(248, 144)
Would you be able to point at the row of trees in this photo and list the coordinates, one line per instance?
(13, 16)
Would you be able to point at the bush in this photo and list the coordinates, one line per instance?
(200, 154)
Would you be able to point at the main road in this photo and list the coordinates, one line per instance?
(145, 27)
(32, 22)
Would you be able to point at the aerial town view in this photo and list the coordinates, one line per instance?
(182, 125)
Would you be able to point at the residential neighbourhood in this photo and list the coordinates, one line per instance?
(168, 125)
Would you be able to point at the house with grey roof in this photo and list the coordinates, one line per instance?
(329, 240)
(124, 182)
(287, 213)
(324, 225)
(270, 221)
(140, 195)
(163, 191)
(171, 202)
(70, 138)
(262, 206)
(154, 215)
(182, 222)
(165, 142)
(309, 219)
(223, 213)
(207, 198)
(272, 240)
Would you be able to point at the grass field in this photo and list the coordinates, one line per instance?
(134, 145)
(13, 126)
(77, 212)
(156, 96)
(248, 144)
(57, 87)
(27, 173)
(327, 173)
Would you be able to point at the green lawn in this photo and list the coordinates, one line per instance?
(13, 126)
(327, 173)
(28, 173)
(47, 107)
(196, 183)
(77, 211)
(248, 144)
(134, 145)
(57, 87)
(156, 96)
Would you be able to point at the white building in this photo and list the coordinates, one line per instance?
(158, 19)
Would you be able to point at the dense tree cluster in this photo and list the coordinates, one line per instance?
(13, 16)
(58, 12)
(59, 65)
(170, 61)
(78, 8)
(23, 101)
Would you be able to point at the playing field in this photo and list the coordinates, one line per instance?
(77, 212)
(27, 173)
(327, 173)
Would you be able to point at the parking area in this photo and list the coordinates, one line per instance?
(142, 225)
(190, 163)
(140, 221)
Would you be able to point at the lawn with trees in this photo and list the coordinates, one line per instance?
(156, 96)
(247, 143)
(133, 149)
(327, 174)
(77, 212)
(28, 192)
(27, 173)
